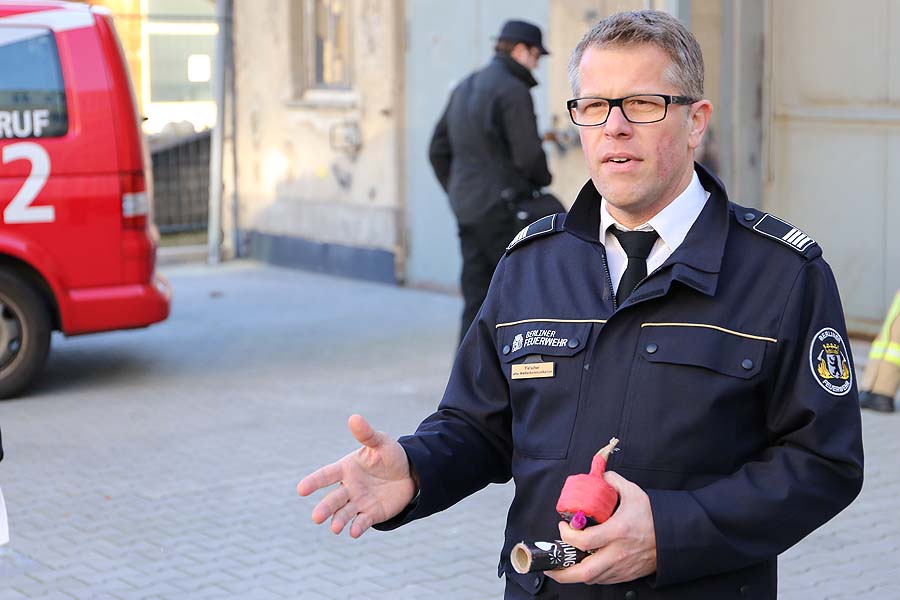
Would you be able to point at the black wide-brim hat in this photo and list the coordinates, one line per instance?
(525, 32)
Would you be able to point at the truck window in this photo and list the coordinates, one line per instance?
(32, 94)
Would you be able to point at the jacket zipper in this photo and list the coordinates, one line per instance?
(612, 290)
(646, 277)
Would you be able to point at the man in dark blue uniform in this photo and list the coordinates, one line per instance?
(708, 337)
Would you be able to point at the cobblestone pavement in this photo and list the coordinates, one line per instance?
(161, 464)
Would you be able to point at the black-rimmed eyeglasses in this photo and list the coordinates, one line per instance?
(642, 108)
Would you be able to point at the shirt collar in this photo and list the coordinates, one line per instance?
(671, 223)
(702, 247)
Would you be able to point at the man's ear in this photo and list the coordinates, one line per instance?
(519, 51)
(699, 120)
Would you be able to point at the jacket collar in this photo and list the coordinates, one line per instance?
(515, 69)
(696, 262)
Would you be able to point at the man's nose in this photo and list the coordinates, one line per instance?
(616, 123)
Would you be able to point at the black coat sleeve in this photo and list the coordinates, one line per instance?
(440, 152)
(810, 470)
(520, 129)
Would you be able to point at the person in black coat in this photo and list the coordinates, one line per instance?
(707, 336)
(486, 152)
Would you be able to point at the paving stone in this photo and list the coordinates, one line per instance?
(161, 464)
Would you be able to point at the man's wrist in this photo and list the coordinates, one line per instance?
(414, 475)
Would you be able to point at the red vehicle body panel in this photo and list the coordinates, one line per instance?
(99, 267)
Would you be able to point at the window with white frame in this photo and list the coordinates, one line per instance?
(322, 49)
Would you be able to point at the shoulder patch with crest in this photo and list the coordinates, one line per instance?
(830, 362)
(540, 227)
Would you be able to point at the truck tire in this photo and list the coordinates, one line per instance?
(24, 333)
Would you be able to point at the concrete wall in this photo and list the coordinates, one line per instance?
(319, 173)
(834, 140)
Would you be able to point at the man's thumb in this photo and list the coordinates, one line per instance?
(363, 432)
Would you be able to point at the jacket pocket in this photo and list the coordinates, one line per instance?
(544, 365)
(694, 402)
(530, 583)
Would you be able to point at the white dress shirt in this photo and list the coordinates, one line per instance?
(671, 224)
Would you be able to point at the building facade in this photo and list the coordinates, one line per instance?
(336, 101)
(320, 134)
(169, 47)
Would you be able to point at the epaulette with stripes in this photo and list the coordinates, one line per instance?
(781, 231)
(543, 226)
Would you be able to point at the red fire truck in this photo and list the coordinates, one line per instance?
(77, 240)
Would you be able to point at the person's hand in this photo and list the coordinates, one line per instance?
(374, 482)
(624, 547)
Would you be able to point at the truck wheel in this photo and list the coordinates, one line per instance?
(24, 334)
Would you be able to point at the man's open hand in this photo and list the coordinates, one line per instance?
(374, 482)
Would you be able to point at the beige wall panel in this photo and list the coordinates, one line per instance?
(833, 145)
(832, 186)
(292, 180)
(831, 51)
(893, 73)
(891, 222)
(262, 80)
(706, 25)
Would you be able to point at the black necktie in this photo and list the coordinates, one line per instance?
(637, 245)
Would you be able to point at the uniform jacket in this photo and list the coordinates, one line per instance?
(487, 141)
(726, 375)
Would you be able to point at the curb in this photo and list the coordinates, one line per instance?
(179, 255)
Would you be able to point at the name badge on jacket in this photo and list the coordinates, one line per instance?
(533, 370)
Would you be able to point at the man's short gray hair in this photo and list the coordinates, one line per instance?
(651, 27)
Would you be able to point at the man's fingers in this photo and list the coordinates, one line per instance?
(586, 571)
(573, 574)
(327, 475)
(342, 517)
(619, 483)
(364, 433)
(361, 523)
(330, 504)
(587, 539)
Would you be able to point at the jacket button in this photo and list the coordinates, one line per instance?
(749, 216)
(747, 364)
(631, 595)
(651, 349)
(537, 581)
(506, 349)
(745, 590)
(572, 343)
